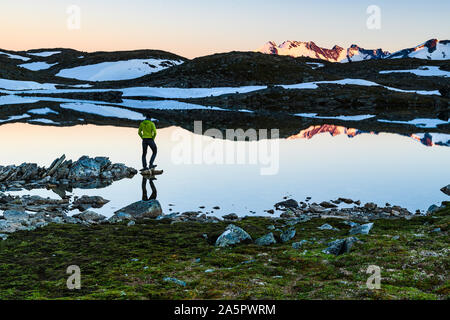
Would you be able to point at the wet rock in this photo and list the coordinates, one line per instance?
(232, 235)
(142, 209)
(327, 205)
(266, 240)
(340, 246)
(86, 172)
(86, 202)
(345, 200)
(287, 204)
(14, 215)
(167, 216)
(364, 229)
(288, 235)
(90, 216)
(231, 216)
(370, 206)
(446, 190)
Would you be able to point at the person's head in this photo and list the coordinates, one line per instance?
(148, 117)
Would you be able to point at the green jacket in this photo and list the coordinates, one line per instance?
(147, 129)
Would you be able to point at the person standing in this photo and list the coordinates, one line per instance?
(147, 132)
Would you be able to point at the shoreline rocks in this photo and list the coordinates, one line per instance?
(86, 172)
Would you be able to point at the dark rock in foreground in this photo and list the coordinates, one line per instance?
(141, 209)
(232, 235)
(340, 246)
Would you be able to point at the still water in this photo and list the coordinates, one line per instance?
(368, 167)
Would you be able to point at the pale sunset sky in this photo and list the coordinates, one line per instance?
(200, 27)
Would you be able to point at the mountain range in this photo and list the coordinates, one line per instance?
(431, 50)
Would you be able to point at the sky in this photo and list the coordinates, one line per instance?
(193, 28)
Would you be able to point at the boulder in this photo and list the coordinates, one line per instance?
(14, 215)
(231, 216)
(363, 229)
(89, 216)
(327, 205)
(141, 209)
(288, 235)
(287, 204)
(86, 202)
(266, 240)
(340, 246)
(232, 235)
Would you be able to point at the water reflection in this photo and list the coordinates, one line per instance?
(427, 139)
(154, 194)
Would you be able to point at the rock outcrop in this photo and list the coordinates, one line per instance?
(86, 173)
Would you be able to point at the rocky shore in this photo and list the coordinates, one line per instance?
(86, 173)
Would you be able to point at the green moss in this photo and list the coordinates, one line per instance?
(120, 262)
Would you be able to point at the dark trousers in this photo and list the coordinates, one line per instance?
(147, 142)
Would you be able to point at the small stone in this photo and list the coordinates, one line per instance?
(436, 230)
(209, 270)
(326, 226)
(131, 223)
(90, 216)
(287, 204)
(3, 236)
(298, 245)
(176, 281)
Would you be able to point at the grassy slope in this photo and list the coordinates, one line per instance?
(33, 264)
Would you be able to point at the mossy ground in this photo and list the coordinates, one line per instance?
(121, 262)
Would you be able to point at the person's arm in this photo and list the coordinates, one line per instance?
(140, 130)
(153, 130)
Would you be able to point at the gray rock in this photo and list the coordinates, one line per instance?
(340, 246)
(14, 215)
(326, 226)
(232, 235)
(176, 281)
(167, 216)
(288, 235)
(298, 245)
(131, 223)
(436, 230)
(446, 190)
(364, 229)
(231, 216)
(327, 205)
(433, 208)
(351, 224)
(86, 202)
(287, 204)
(90, 216)
(142, 209)
(266, 240)
(3, 236)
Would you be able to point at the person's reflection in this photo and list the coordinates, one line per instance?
(144, 189)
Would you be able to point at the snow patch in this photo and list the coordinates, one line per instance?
(421, 122)
(44, 54)
(36, 66)
(426, 71)
(15, 56)
(42, 111)
(104, 111)
(344, 118)
(25, 85)
(118, 70)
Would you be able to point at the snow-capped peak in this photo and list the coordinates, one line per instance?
(311, 50)
(432, 49)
